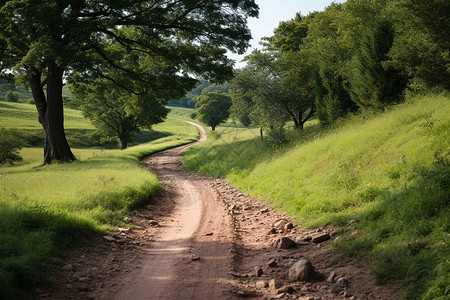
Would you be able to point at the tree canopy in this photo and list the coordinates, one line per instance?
(213, 107)
(170, 41)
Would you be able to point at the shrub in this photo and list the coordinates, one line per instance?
(9, 147)
(11, 97)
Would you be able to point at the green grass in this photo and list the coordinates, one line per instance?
(46, 210)
(390, 172)
(24, 93)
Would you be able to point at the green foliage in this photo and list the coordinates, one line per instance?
(391, 172)
(108, 107)
(190, 99)
(11, 96)
(10, 146)
(332, 99)
(374, 85)
(154, 49)
(213, 108)
(270, 91)
(245, 120)
(421, 48)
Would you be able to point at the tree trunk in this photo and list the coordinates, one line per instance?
(123, 143)
(213, 128)
(51, 115)
(261, 132)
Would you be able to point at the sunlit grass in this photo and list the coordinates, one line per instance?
(390, 172)
(44, 209)
(25, 116)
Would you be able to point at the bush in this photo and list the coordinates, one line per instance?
(277, 137)
(11, 97)
(9, 147)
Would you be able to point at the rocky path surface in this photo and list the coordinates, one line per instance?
(204, 239)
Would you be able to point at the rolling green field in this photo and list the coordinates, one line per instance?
(390, 172)
(45, 210)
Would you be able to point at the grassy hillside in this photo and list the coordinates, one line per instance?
(22, 92)
(44, 210)
(390, 172)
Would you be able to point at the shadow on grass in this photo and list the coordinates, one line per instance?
(148, 136)
(407, 235)
(31, 243)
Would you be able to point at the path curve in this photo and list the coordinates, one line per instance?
(190, 257)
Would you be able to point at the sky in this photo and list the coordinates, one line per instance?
(272, 12)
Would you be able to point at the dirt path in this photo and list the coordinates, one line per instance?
(191, 254)
(204, 239)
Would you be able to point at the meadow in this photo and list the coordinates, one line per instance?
(45, 210)
(389, 171)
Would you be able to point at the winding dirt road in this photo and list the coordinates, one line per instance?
(204, 239)
(190, 258)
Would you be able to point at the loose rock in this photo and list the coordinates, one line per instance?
(284, 243)
(195, 257)
(258, 272)
(286, 290)
(302, 270)
(153, 223)
(320, 237)
(272, 231)
(274, 285)
(331, 276)
(289, 226)
(339, 286)
(280, 224)
(272, 263)
(109, 238)
(261, 284)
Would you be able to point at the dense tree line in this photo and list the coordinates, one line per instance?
(359, 55)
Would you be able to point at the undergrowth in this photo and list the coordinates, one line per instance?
(390, 171)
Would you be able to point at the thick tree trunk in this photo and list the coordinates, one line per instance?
(213, 128)
(51, 115)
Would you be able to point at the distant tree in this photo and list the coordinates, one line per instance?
(106, 106)
(189, 98)
(44, 41)
(250, 92)
(11, 96)
(10, 146)
(213, 108)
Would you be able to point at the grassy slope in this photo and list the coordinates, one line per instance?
(44, 210)
(390, 172)
(24, 93)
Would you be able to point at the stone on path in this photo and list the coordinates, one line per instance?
(320, 237)
(274, 285)
(258, 272)
(339, 286)
(302, 270)
(284, 243)
(261, 284)
(109, 238)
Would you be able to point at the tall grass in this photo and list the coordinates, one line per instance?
(44, 210)
(391, 172)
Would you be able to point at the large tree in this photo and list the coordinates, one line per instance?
(44, 40)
